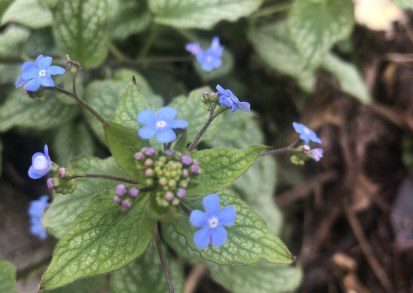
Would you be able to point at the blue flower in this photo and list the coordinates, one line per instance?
(161, 124)
(212, 222)
(210, 58)
(41, 164)
(36, 212)
(38, 73)
(228, 99)
(306, 134)
(317, 154)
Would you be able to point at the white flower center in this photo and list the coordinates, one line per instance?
(40, 163)
(209, 58)
(213, 222)
(42, 73)
(161, 124)
(306, 130)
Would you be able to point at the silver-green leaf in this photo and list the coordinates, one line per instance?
(7, 276)
(30, 13)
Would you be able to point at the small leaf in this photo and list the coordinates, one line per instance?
(123, 143)
(21, 111)
(30, 13)
(104, 238)
(348, 76)
(248, 240)
(404, 4)
(80, 30)
(277, 51)
(64, 209)
(317, 25)
(221, 167)
(72, 140)
(7, 276)
(192, 110)
(195, 14)
(145, 275)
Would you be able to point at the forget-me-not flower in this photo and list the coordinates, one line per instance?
(41, 164)
(36, 212)
(228, 99)
(161, 124)
(306, 134)
(317, 154)
(210, 58)
(212, 222)
(35, 74)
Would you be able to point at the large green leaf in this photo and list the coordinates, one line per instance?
(4, 4)
(72, 140)
(195, 14)
(348, 76)
(277, 52)
(80, 30)
(7, 276)
(145, 275)
(28, 12)
(221, 167)
(248, 240)
(192, 110)
(12, 40)
(316, 25)
(103, 238)
(64, 209)
(405, 4)
(123, 143)
(21, 111)
(82, 286)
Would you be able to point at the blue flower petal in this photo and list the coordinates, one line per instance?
(47, 82)
(211, 203)
(54, 70)
(218, 236)
(244, 106)
(298, 127)
(166, 135)
(179, 123)
(44, 62)
(166, 113)
(147, 132)
(227, 216)
(20, 81)
(33, 173)
(33, 85)
(198, 218)
(146, 117)
(202, 238)
(46, 151)
(220, 89)
(30, 72)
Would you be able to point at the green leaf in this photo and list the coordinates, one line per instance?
(261, 277)
(404, 4)
(82, 286)
(12, 40)
(145, 275)
(72, 140)
(195, 14)
(103, 96)
(348, 76)
(104, 238)
(7, 276)
(316, 25)
(273, 46)
(30, 13)
(248, 240)
(64, 209)
(221, 167)
(80, 30)
(192, 110)
(123, 143)
(4, 4)
(21, 111)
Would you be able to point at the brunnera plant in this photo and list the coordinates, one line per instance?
(158, 187)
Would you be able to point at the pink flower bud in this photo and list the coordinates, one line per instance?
(138, 156)
(150, 151)
(62, 172)
(169, 196)
(148, 172)
(186, 160)
(305, 148)
(116, 199)
(195, 169)
(181, 193)
(148, 162)
(169, 152)
(126, 204)
(185, 173)
(134, 192)
(49, 183)
(121, 190)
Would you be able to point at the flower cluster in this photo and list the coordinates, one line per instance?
(124, 196)
(160, 124)
(210, 58)
(61, 182)
(305, 152)
(212, 222)
(36, 212)
(168, 173)
(38, 73)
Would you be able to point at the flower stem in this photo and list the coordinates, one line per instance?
(83, 104)
(104, 176)
(163, 259)
(280, 151)
(199, 135)
(149, 41)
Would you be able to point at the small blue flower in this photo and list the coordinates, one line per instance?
(38, 73)
(36, 212)
(161, 124)
(41, 164)
(210, 58)
(228, 99)
(212, 222)
(317, 154)
(306, 134)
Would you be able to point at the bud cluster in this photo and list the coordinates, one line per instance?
(210, 100)
(124, 196)
(169, 173)
(61, 181)
(304, 153)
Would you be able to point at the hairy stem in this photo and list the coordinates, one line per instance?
(201, 132)
(104, 176)
(163, 259)
(280, 151)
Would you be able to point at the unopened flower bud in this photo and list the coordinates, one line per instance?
(138, 156)
(305, 148)
(186, 160)
(148, 162)
(116, 199)
(126, 204)
(150, 151)
(148, 172)
(175, 201)
(163, 181)
(134, 192)
(195, 169)
(49, 183)
(169, 152)
(181, 193)
(62, 172)
(121, 190)
(169, 196)
(185, 173)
